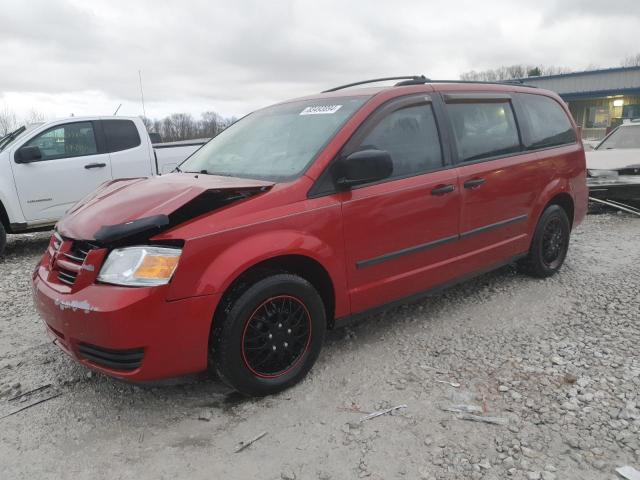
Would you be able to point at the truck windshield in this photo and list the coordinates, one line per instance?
(277, 143)
(623, 137)
(9, 138)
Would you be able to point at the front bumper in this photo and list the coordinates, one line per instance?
(133, 334)
(624, 187)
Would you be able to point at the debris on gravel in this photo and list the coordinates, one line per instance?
(557, 359)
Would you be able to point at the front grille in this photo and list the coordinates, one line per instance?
(116, 359)
(67, 276)
(629, 171)
(69, 264)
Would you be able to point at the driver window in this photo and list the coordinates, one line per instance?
(411, 137)
(64, 141)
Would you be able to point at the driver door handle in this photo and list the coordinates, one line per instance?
(443, 189)
(95, 165)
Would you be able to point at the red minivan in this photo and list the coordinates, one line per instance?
(304, 215)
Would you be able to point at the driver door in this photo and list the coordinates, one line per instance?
(72, 166)
(401, 233)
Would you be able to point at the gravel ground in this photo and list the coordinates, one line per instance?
(556, 361)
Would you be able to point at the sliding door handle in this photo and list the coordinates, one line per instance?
(443, 189)
(474, 182)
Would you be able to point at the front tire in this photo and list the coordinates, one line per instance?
(268, 338)
(549, 245)
(3, 239)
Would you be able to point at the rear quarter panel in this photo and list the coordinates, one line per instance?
(562, 170)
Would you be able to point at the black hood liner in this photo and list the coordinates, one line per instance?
(144, 228)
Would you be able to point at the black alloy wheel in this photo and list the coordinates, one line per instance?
(267, 335)
(276, 336)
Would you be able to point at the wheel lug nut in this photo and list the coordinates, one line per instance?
(270, 336)
(286, 344)
(279, 325)
(274, 347)
(288, 330)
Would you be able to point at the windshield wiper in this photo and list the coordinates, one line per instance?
(8, 138)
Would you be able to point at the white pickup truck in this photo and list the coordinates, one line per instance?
(46, 168)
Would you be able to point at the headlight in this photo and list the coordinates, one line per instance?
(603, 173)
(140, 266)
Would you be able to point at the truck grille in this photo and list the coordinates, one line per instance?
(115, 359)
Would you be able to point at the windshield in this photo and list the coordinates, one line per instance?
(16, 134)
(276, 143)
(623, 137)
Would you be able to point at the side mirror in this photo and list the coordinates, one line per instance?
(362, 167)
(28, 154)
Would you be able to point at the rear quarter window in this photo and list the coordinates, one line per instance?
(549, 125)
(120, 135)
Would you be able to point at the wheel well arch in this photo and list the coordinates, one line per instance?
(565, 201)
(306, 267)
(4, 218)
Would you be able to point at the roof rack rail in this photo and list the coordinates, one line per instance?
(515, 81)
(407, 80)
(421, 79)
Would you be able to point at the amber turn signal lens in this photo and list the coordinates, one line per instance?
(157, 267)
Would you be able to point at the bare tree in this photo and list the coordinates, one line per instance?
(210, 125)
(632, 61)
(147, 122)
(512, 72)
(8, 121)
(34, 116)
(182, 126)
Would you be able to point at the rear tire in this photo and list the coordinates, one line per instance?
(549, 245)
(3, 239)
(268, 337)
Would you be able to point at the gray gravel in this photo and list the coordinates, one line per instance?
(555, 361)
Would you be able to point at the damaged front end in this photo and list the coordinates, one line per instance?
(110, 233)
(102, 285)
(622, 184)
(619, 189)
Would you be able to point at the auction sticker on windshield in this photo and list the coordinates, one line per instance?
(320, 110)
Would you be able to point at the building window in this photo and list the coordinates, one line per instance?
(597, 117)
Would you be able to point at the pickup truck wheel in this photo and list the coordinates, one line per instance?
(3, 239)
(270, 336)
(549, 245)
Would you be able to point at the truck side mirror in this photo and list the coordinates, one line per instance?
(28, 154)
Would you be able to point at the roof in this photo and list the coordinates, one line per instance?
(582, 73)
(591, 83)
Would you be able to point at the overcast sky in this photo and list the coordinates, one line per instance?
(82, 56)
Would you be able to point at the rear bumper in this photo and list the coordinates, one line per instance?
(130, 333)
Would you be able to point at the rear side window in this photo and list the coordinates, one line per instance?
(548, 123)
(484, 130)
(411, 137)
(120, 135)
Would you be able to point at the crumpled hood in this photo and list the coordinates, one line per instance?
(613, 159)
(126, 200)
